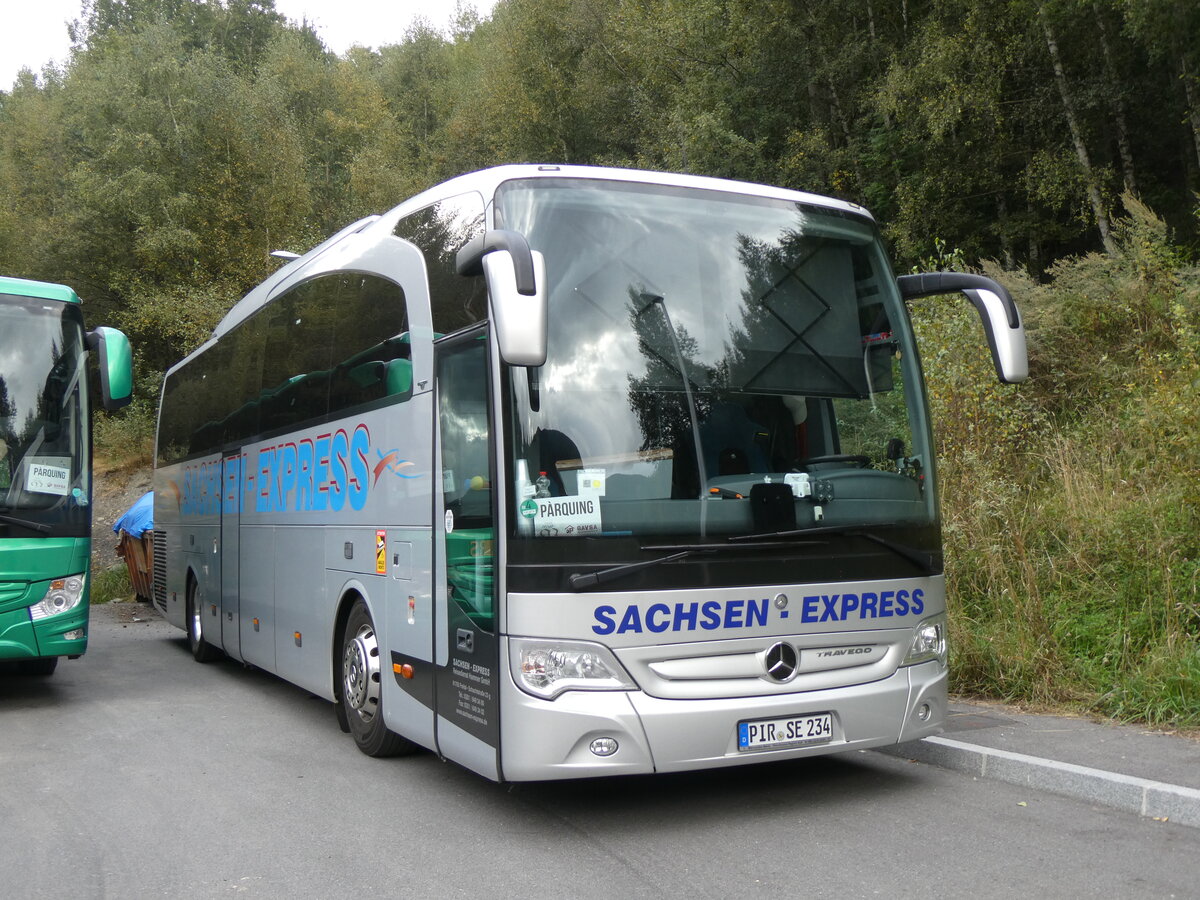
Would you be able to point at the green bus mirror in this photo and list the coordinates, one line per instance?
(116, 366)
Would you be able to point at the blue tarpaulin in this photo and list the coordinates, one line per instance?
(140, 517)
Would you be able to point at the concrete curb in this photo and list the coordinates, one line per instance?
(1152, 799)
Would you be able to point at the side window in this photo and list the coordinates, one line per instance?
(298, 330)
(440, 231)
(371, 351)
(238, 375)
(466, 454)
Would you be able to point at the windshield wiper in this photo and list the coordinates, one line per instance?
(579, 580)
(918, 558)
(25, 523)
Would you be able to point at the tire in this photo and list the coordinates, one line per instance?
(360, 688)
(40, 668)
(202, 650)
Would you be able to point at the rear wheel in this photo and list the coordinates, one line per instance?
(361, 682)
(202, 650)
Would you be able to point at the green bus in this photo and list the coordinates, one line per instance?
(45, 467)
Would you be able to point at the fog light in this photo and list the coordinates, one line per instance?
(604, 746)
(924, 712)
(75, 634)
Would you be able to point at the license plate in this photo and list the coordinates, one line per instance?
(772, 734)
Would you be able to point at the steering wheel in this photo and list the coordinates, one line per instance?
(860, 461)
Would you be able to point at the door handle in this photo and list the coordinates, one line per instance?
(466, 640)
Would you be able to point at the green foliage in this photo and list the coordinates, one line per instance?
(110, 584)
(124, 440)
(1072, 504)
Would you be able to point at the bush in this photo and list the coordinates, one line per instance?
(1072, 503)
(110, 584)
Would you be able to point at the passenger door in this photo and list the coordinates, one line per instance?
(467, 645)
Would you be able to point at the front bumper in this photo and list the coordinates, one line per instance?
(546, 740)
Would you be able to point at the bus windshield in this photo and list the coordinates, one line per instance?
(720, 365)
(43, 442)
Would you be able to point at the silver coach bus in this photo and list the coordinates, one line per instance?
(563, 472)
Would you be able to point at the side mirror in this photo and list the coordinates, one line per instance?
(516, 281)
(998, 312)
(116, 366)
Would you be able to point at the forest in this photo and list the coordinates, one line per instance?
(1053, 144)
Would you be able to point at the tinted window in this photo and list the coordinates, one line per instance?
(323, 348)
(440, 231)
(371, 349)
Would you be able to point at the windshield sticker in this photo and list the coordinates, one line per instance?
(49, 475)
(567, 516)
(591, 481)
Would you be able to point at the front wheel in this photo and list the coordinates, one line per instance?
(202, 650)
(361, 688)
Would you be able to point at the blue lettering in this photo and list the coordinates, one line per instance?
(901, 603)
(850, 604)
(360, 446)
(756, 612)
(885, 604)
(869, 602)
(287, 474)
(337, 471)
(631, 621)
(215, 488)
(712, 615)
(604, 616)
(830, 612)
(321, 473)
(276, 473)
(229, 496)
(245, 502)
(685, 614)
(918, 602)
(733, 613)
(266, 462)
(653, 622)
(304, 476)
(808, 613)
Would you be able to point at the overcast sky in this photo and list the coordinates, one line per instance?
(34, 32)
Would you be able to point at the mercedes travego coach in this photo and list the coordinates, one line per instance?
(565, 472)
(45, 467)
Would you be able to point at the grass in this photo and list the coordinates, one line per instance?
(110, 584)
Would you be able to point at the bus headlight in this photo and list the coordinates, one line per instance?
(929, 642)
(547, 668)
(63, 595)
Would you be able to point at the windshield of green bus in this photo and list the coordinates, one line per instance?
(44, 485)
(719, 365)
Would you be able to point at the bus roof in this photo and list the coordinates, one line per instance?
(485, 183)
(44, 290)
